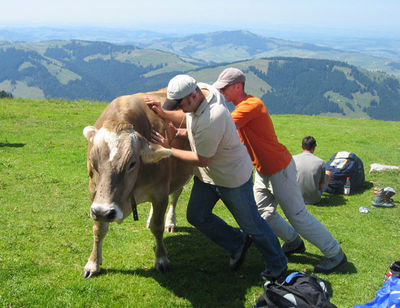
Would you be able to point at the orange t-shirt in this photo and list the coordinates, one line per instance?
(257, 133)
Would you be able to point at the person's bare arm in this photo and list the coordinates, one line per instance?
(191, 157)
(177, 117)
(327, 179)
(188, 156)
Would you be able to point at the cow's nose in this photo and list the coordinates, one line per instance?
(111, 214)
(105, 212)
(94, 213)
(102, 213)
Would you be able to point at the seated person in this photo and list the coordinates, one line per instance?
(311, 174)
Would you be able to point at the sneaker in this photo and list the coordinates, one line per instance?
(329, 265)
(273, 275)
(296, 246)
(238, 258)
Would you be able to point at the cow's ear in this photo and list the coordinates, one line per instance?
(149, 152)
(89, 132)
(152, 153)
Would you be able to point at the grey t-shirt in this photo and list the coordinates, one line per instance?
(310, 176)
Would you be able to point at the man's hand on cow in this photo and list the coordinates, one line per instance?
(172, 129)
(155, 106)
(157, 138)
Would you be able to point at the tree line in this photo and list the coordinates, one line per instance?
(4, 94)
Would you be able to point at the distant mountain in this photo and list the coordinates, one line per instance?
(227, 46)
(372, 53)
(377, 47)
(376, 54)
(83, 70)
(316, 87)
(111, 35)
(230, 46)
(102, 71)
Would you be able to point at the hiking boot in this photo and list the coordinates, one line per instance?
(381, 201)
(238, 258)
(329, 265)
(382, 204)
(273, 275)
(389, 192)
(382, 197)
(296, 246)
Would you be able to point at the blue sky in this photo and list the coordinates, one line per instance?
(358, 16)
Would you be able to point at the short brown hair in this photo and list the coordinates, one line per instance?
(308, 143)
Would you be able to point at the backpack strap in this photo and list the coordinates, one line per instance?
(290, 277)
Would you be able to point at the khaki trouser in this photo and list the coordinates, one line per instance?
(287, 193)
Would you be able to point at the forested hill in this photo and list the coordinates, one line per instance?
(317, 87)
(83, 70)
(303, 86)
(101, 71)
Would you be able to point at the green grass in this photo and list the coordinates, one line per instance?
(46, 231)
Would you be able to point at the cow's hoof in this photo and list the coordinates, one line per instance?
(90, 270)
(170, 229)
(88, 274)
(162, 265)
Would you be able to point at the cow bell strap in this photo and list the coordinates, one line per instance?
(134, 209)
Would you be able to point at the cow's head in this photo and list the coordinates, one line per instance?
(115, 153)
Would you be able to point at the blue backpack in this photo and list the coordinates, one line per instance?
(342, 165)
(389, 294)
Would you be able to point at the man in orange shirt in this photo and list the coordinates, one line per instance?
(274, 164)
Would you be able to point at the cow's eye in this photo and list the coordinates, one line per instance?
(131, 166)
(93, 164)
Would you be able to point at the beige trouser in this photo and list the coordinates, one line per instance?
(287, 193)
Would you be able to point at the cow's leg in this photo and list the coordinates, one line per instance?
(92, 267)
(170, 221)
(149, 217)
(157, 228)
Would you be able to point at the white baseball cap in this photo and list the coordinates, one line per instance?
(179, 87)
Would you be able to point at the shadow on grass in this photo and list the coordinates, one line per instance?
(338, 199)
(331, 200)
(12, 145)
(361, 190)
(200, 271)
(310, 258)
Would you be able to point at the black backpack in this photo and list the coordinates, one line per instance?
(342, 165)
(299, 290)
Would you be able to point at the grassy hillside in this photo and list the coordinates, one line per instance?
(101, 71)
(83, 70)
(46, 231)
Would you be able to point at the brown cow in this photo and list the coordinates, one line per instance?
(125, 169)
